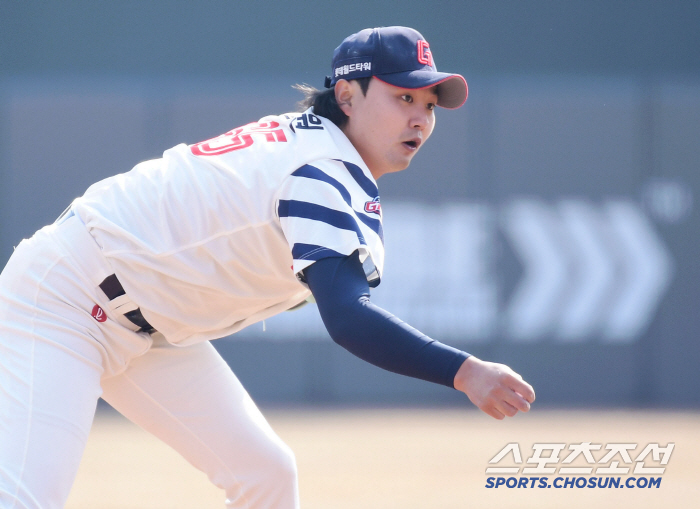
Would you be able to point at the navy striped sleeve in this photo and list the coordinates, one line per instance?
(365, 183)
(311, 172)
(331, 208)
(312, 252)
(319, 213)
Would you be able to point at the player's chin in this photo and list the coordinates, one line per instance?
(401, 163)
(398, 168)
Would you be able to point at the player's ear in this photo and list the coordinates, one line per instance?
(344, 92)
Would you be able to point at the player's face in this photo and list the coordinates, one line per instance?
(388, 125)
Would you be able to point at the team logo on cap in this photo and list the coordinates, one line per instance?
(425, 56)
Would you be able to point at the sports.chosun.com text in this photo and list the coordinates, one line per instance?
(573, 482)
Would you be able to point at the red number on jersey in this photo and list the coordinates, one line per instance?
(239, 138)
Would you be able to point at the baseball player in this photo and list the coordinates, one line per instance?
(121, 295)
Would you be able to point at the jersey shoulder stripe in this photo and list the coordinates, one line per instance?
(327, 207)
(306, 210)
(311, 172)
(314, 173)
(374, 224)
(302, 251)
(362, 180)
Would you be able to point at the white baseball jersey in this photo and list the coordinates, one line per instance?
(212, 237)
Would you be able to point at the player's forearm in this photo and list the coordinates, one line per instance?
(373, 334)
(376, 336)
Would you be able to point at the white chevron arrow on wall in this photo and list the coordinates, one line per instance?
(587, 269)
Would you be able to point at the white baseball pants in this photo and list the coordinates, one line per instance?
(56, 360)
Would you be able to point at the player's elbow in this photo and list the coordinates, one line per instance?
(340, 331)
(343, 321)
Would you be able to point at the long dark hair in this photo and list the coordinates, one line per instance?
(324, 103)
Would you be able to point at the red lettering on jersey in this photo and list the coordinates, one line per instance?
(99, 314)
(239, 138)
(425, 56)
(374, 207)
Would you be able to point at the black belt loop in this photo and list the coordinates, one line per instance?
(113, 289)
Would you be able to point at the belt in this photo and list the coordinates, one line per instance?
(119, 302)
(113, 290)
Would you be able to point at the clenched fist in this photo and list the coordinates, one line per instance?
(494, 388)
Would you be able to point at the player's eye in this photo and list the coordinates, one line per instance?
(408, 98)
(431, 106)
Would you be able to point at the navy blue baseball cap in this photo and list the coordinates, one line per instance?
(399, 56)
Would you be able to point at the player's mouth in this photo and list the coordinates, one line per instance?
(412, 144)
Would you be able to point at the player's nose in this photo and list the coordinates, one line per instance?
(421, 118)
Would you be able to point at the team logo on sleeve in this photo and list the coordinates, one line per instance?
(374, 207)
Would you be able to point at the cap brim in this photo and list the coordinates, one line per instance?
(452, 89)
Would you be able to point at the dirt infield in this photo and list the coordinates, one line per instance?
(384, 459)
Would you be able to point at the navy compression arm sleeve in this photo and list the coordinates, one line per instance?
(341, 291)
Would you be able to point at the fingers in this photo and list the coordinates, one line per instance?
(508, 409)
(494, 412)
(514, 395)
(517, 402)
(494, 388)
(523, 389)
(509, 402)
(504, 403)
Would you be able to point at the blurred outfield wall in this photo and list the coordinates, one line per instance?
(550, 224)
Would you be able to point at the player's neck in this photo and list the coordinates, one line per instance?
(377, 170)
